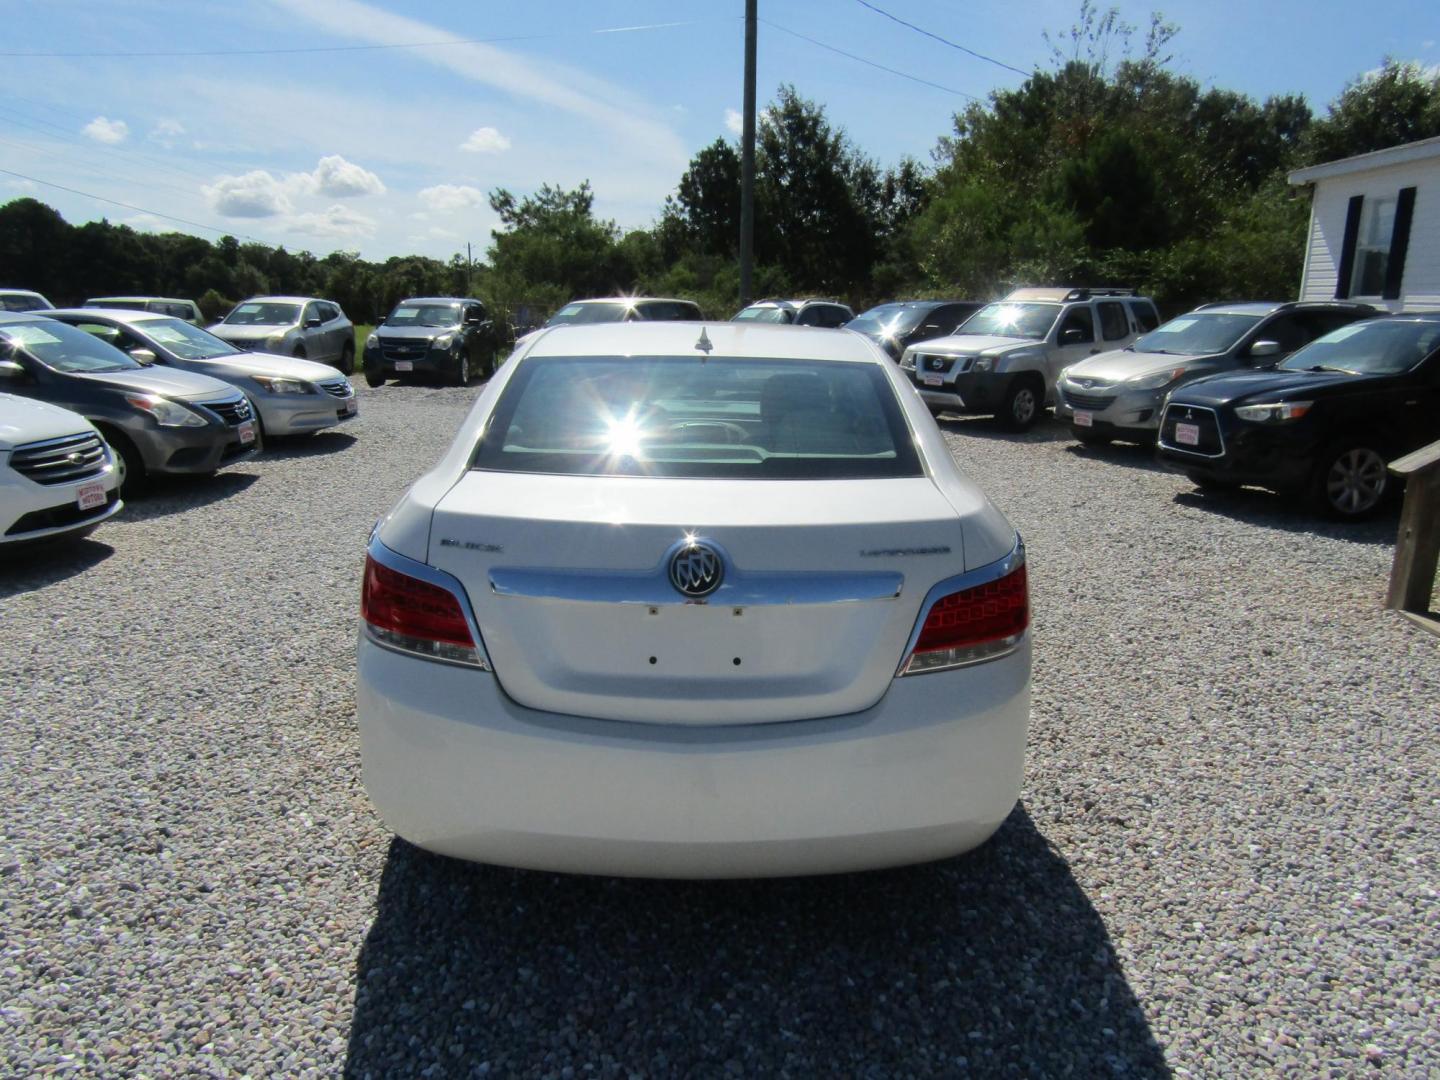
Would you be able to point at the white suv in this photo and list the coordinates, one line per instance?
(1004, 360)
(57, 476)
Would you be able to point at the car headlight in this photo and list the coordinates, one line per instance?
(167, 413)
(276, 339)
(372, 342)
(908, 360)
(444, 341)
(1274, 412)
(983, 363)
(282, 386)
(1155, 381)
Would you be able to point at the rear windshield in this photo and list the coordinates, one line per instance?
(574, 314)
(688, 416)
(765, 313)
(1197, 334)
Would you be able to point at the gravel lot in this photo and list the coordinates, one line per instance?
(1224, 862)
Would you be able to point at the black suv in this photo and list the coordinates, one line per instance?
(449, 336)
(1324, 423)
(900, 323)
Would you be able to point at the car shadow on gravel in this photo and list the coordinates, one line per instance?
(282, 448)
(1269, 510)
(993, 963)
(176, 494)
(29, 567)
(1131, 455)
(988, 427)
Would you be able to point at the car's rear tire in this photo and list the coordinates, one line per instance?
(133, 478)
(1023, 403)
(374, 378)
(347, 358)
(1351, 480)
(1090, 437)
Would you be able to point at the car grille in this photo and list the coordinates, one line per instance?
(232, 412)
(1093, 402)
(338, 389)
(932, 363)
(60, 461)
(406, 351)
(1211, 444)
(59, 517)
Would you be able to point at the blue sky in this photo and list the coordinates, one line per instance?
(391, 151)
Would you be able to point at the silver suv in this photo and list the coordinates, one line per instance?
(300, 326)
(1004, 360)
(826, 313)
(1120, 394)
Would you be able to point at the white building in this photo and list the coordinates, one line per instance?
(1375, 228)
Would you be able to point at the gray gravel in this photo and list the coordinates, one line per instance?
(1224, 862)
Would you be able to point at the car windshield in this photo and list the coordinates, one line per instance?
(185, 341)
(1378, 347)
(424, 315)
(765, 313)
(1197, 334)
(1012, 320)
(66, 349)
(888, 320)
(267, 313)
(22, 302)
(574, 314)
(697, 417)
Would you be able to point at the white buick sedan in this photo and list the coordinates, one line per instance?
(690, 600)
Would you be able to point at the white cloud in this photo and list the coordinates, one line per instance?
(335, 222)
(107, 131)
(449, 197)
(340, 179)
(486, 140)
(255, 194)
(734, 122)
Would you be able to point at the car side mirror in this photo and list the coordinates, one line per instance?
(1072, 337)
(12, 371)
(144, 356)
(1262, 349)
(312, 322)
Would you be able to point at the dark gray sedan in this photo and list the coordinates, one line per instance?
(157, 420)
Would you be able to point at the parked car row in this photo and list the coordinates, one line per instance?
(141, 394)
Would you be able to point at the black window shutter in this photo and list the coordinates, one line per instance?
(1347, 249)
(1399, 243)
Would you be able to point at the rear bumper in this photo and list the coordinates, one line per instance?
(455, 766)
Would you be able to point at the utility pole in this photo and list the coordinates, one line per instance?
(747, 161)
(467, 267)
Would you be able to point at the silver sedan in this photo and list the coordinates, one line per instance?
(291, 396)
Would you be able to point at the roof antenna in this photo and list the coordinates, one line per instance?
(705, 345)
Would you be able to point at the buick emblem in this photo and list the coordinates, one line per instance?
(696, 569)
(76, 458)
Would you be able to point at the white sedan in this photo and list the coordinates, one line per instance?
(57, 476)
(689, 600)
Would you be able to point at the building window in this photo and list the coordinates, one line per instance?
(1372, 247)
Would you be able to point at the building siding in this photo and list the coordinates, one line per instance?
(1420, 287)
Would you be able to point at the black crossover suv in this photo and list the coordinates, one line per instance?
(1324, 423)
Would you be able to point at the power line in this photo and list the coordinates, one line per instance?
(65, 134)
(351, 48)
(95, 167)
(130, 206)
(943, 41)
(871, 63)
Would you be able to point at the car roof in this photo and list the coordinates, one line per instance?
(19, 292)
(1266, 307)
(163, 299)
(730, 339)
(24, 317)
(921, 304)
(283, 300)
(632, 300)
(438, 300)
(120, 315)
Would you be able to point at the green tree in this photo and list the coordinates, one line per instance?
(552, 240)
(1398, 104)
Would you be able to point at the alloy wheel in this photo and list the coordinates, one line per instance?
(1356, 481)
(1023, 407)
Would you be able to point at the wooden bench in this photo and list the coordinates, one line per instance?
(1417, 550)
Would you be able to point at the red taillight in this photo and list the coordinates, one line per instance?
(415, 616)
(979, 623)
